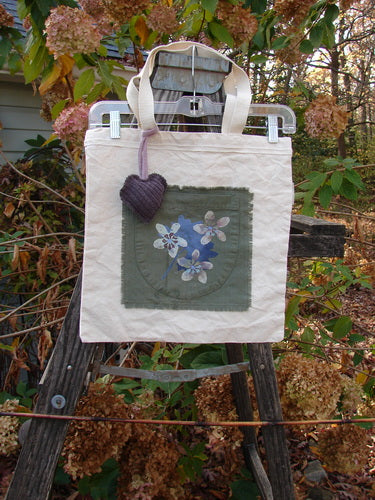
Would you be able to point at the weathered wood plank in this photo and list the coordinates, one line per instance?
(245, 413)
(267, 394)
(315, 245)
(66, 373)
(311, 225)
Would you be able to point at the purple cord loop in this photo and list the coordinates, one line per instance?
(142, 152)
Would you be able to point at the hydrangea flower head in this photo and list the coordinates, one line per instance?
(71, 31)
(324, 118)
(162, 18)
(72, 123)
(239, 21)
(6, 19)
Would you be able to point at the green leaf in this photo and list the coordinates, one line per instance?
(329, 35)
(58, 107)
(98, 91)
(336, 181)
(342, 327)
(6, 347)
(317, 179)
(221, 33)
(257, 6)
(331, 162)
(331, 13)
(259, 59)
(348, 190)
(354, 177)
(210, 5)
(5, 48)
(102, 50)
(306, 47)
(33, 66)
(316, 35)
(355, 337)
(208, 359)
(84, 84)
(244, 489)
(14, 63)
(291, 310)
(325, 195)
(358, 357)
(259, 39)
(279, 43)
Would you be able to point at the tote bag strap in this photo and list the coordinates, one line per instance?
(236, 86)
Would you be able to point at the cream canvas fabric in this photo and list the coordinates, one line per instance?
(234, 296)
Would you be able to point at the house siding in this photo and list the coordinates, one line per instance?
(20, 118)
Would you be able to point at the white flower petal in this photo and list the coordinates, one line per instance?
(209, 218)
(186, 276)
(184, 262)
(200, 228)
(162, 230)
(224, 221)
(202, 277)
(206, 238)
(175, 227)
(173, 252)
(158, 243)
(207, 265)
(181, 242)
(195, 255)
(220, 235)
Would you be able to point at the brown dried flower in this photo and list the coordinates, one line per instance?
(239, 21)
(162, 18)
(308, 388)
(57, 93)
(124, 10)
(324, 118)
(293, 10)
(9, 428)
(6, 19)
(344, 448)
(148, 466)
(89, 444)
(291, 54)
(97, 10)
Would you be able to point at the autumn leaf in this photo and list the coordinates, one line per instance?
(44, 346)
(24, 260)
(62, 67)
(41, 265)
(9, 209)
(142, 30)
(72, 249)
(16, 258)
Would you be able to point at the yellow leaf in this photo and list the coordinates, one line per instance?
(16, 257)
(156, 348)
(60, 69)
(141, 29)
(24, 260)
(49, 81)
(362, 378)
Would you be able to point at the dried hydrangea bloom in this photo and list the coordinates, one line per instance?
(57, 93)
(105, 22)
(124, 10)
(72, 123)
(9, 428)
(291, 54)
(346, 4)
(324, 118)
(26, 23)
(6, 19)
(308, 388)
(293, 10)
(240, 23)
(163, 19)
(89, 444)
(71, 31)
(148, 466)
(344, 448)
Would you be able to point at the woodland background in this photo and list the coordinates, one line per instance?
(316, 57)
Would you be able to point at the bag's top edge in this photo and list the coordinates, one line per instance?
(190, 141)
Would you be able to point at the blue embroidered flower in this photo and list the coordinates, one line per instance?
(211, 227)
(193, 267)
(169, 239)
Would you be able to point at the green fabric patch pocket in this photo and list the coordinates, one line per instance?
(195, 254)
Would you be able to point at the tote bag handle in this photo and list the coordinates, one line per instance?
(236, 85)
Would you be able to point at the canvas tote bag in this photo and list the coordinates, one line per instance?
(210, 266)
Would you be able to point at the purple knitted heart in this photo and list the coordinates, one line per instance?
(144, 196)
